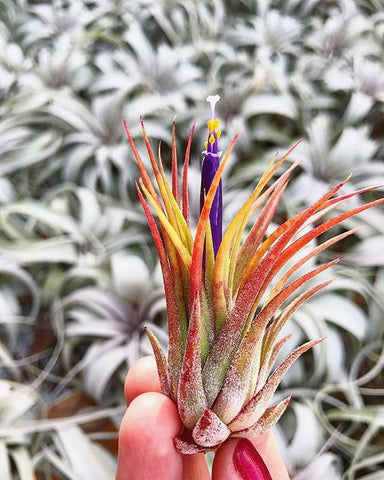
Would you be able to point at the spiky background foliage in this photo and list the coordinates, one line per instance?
(72, 232)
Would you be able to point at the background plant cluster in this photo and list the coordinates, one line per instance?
(78, 272)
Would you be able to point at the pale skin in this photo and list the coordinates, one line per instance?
(151, 422)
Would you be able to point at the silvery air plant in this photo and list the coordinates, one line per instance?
(227, 300)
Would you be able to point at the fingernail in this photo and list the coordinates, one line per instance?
(249, 463)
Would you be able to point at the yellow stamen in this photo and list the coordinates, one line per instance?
(218, 133)
(213, 124)
(206, 145)
(212, 138)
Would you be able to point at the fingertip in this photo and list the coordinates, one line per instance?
(141, 377)
(146, 448)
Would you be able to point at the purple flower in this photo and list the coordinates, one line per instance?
(209, 168)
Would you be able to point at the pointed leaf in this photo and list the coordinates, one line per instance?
(231, 393)
(191, 400)
(246, 303)
(282, 280)
(235, 230)
(143, 172)
(268, 420)
(257, 233)
(185, 176)
(175, 323)
(175, 178)
(253, 410)
(173, 210)
(165, 223)
(161, 362)
(271, 348)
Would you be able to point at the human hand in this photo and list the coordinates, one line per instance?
(151, 422)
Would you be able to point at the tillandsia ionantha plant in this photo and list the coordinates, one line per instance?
(226, 300)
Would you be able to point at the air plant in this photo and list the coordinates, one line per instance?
(228, 296)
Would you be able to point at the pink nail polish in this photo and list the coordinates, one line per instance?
(249, 463)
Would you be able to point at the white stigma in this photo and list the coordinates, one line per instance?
(213, 99)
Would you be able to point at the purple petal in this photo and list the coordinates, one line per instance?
(209, 167)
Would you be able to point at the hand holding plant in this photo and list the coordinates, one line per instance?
(146, 448)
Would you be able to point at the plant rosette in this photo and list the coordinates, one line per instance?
(227, 293)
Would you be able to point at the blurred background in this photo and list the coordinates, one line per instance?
(78, 271)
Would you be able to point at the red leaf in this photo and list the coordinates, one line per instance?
(191, 400)
(140, 164)
(232, 394)
(173, 314)
(185, 176)
(241, 314)
(175, 177)
(161, 362)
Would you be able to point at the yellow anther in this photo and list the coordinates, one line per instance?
(212, 138)
(218, 133)
(213, 124)
(206, 145)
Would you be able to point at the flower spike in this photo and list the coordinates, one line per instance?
(227, 300)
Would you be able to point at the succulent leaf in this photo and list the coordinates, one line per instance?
(209, 430)
(185, 174)
(255, 408)
(232, 393)
(161, 361)
(191, 398)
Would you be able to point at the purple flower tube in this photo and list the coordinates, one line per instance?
(209, 167)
